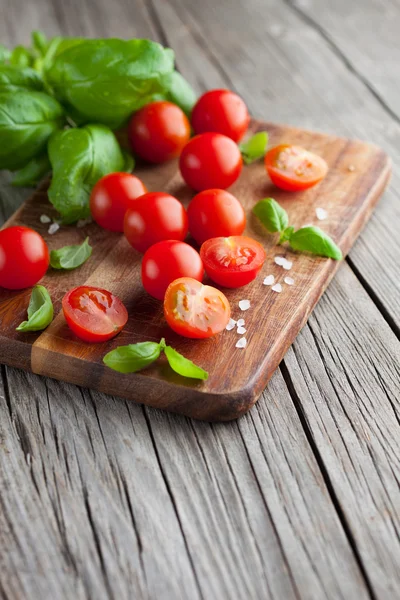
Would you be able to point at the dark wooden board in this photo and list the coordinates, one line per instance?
(358, 174)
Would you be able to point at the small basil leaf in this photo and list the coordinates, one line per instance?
(40, 310)
(70, 257)
(132, 358)
(286, 235)
(315, 241)
(21, 57)
(33, 172)
(255, 148)
(39, 42)
(15, 78)
(183, 365)
(271, 214)
(5, 53)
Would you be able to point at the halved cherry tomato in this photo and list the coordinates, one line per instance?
(111, 197)
(154, 217)
(24, 257)
(210, 160)
(93, 314)
(195, 310)
(166, 261)
(221, 111)
(232, 261)
(292, 168)
(215, 213)
(158, 131)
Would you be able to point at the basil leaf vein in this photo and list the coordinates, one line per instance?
(71, 257)
(40, 310)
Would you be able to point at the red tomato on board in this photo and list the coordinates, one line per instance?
(154, 217)
(195, 310)
(166, 261)
(215, 213)
(292, 168)
(158, 131)
(111, 197)
(210, 160)
(232, 261)
(221, 111)
(24, 257)
(93, 314)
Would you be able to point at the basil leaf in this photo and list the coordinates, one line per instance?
(79, 158)
(13, 78)
(255, 148)
(271, 214)
(286, 235)
(106, 80)
(5, 53)
(179, 91)
(184, 366)
(132, 358)
(39, 42)
(21, 57)
(33, 172)
(40, 310)
(129, 162)
(70, 257)
(315, 241)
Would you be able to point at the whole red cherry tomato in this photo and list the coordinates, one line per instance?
(93, 314)
(158, 131)
(215, 213)
(195, 310)
(210, 160)
(221, 111)
(154, 217)
(111, 197)
(293, 168)
(166, 261)
(24, 258)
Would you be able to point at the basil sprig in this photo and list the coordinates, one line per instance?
(134, 357)
(40, 310)
(70, 257)
(306, 239)
(255, 148)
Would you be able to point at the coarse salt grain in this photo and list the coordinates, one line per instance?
(244, 304)
(279, 260)
(45, 219)
(240, 323)
(289, 280)
(269, 280)
(321, 213)
(54, 227)
(242, 343)
(241, 330)
(231, 324)
(287, 265)
(277, 288)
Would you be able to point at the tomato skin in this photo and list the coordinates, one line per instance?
(166, 261)
(210, 160)
(93, 314)
(111, 197)
(195, 310)
(158, 131)
(232, 262)
(292, 168)
(215, 213)
(24, 257)
(221, 111)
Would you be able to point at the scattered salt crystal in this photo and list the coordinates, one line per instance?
(83, 222)
(240, 323)
(321, 213)
(54, 227)
(241, 330)
(242, 343)
(45, 219)
(244, 304)
(277, 288)
(287, 265)
(351, 168)
(289, 280)
(231, 324)
(279, 260)
(269, 280)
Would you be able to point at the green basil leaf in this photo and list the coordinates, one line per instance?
(286, 235)
(71, 257)
(5, 53)
(184, 366)
(79, 158)
(255, 148)
(13, 78)
(40, 310)
(33, 172)
(271, 214)
(39, 42)
(129, 162)
(132, 358)
(21, 57)
(179, 91)
(315, 241)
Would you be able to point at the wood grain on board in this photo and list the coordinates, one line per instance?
(357, 176)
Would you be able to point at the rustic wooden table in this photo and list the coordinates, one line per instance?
(101, 498)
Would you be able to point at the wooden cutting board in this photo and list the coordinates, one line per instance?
(357, 177)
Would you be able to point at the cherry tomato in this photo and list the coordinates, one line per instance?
(111, 197)
(232, 261)
(159, 131)
(195, 310)
(221, 111)
(293, 168)
(93, 314)
(155, 217)
(215, 213)
(166, 261)
(24, 258)
(210, 160)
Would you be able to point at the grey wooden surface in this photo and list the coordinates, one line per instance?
(101, 498)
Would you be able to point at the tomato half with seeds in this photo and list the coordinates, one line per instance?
(195, 310)
(292, 168)
(93, 314)
(232, 261)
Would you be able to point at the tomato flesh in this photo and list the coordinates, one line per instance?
(24, 257)
(221, 111)
(195, 310)
(292, 168)
(232, 261)
(94, 314)
(215, 213)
